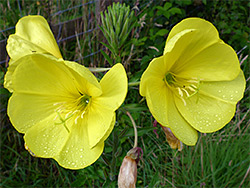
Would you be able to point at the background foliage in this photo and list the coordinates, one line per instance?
(219, 159)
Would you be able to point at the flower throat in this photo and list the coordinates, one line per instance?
(74, 108)
(186, 88)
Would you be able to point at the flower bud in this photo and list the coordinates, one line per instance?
(128, 173)
(128, 170)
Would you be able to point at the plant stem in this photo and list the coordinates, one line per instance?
(133, 83)
(135, 129)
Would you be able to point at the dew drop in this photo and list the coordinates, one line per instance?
(219, 91)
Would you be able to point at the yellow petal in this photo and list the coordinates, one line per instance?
(161, 104)
(99, 120)
(36, 31)
(171, 42)
(8, 75)
(192, 36)
(25, 110)
(227, 91)
(206, 35)
(87, 82)
(111, 127)
(18, 47)
(157, 68)
(218, 62)
(43, 74)
(198, 52)
(204, 113)
(45, 138)
(76, 153)
(114, 87)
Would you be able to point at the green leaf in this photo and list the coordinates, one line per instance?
(162, 32)
(174, 11)
(107, 58)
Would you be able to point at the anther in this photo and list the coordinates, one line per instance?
(180, 92)
(186, 92)
(82, 114)
(76, 119)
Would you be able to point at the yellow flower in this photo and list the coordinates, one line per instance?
(64, 112)
(197, 82)
(33, 35)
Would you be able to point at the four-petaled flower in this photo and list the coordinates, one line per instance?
(64, 112)
(197, 82)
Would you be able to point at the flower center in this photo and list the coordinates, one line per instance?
(185, 88)
(72, 108)
(169, 78)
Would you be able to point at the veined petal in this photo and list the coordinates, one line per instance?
(25, 110)
(18, 47)
(157, 97)
(197, 52)
(157, 68)
(227, 91)
(217, 62)
(160, 101)
(207, 33)
(206, 114)
(43, 75)
(180, 47)
(173, 40)
(84, 78)
(46, 138)
(33, 29)
(99, 120)
(114, 86)
(76, 152)
(111, 127)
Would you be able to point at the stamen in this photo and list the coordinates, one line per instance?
(180, 92)
(83, 114)
(185, 92)
(67, 115)
(76, 119)
(59, 103)
(75, 111)
(190, 88)
(193, 81)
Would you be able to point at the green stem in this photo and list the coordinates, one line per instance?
(135, 129)
(134, 83)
